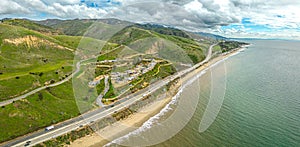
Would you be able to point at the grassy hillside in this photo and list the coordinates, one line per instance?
(78, 27)
(68, 27)
(32, 26)
(37, 111)
(196, 51)
(163, 30)
(29, 59)
(130, 35)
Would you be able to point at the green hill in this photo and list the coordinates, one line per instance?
(69, 27)
(32, 26)
(29, 59)
(163, 30)
(132, 34)
(78, 27)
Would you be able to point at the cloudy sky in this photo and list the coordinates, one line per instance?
(231, 18)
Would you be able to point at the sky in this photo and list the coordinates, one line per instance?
(230, 18)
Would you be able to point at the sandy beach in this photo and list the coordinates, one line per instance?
(122, 127)
(135, 120)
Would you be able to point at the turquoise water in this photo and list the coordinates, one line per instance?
(262, 101)
(261, 106)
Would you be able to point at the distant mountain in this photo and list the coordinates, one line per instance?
(31, 26)
(163, 30)
(77, 27)
(213, 36)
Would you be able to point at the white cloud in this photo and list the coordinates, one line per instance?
(76, 11)
(63, 2)
(9, 7)
(195, 6)
(199, 15)
(55, 8)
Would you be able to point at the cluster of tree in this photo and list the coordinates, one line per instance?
(40, 96)
(37, 73)
(229, 45)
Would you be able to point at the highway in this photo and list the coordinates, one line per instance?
(95, 115)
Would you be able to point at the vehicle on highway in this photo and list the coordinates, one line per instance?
(27, 143)
(49, 128)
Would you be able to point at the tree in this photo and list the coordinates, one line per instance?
(52, 81)
(40, 95)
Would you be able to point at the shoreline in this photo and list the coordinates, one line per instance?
(137, 119)
(125, 126)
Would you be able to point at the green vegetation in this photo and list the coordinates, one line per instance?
(129, 35)
(164, 30)
(29, 59)
(71, 41)
(160, 71)
(38, 111)
(69, 27)
(32, 26)
(112, 55)
(229, 45)
(217, 48)
(102, 70)
(191, 47)
(100, 87)
(166, 70)
(111, 92)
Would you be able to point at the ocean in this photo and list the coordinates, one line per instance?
(250, 99)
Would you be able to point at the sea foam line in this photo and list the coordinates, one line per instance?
(153, 120)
